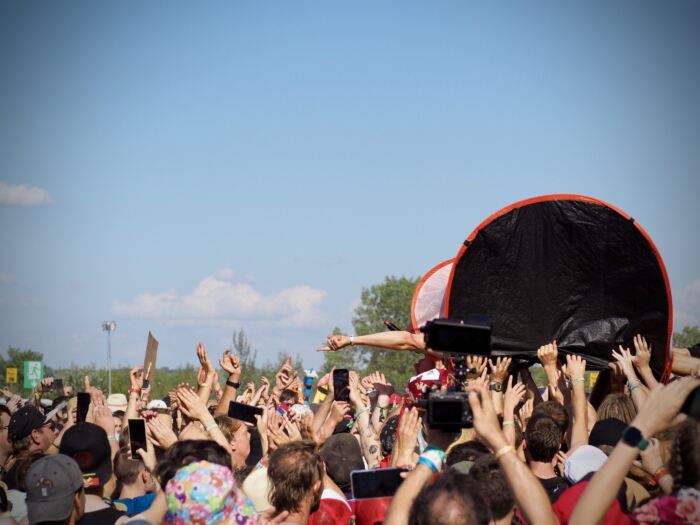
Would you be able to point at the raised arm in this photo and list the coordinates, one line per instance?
(498, 372)
(530, 496)
(658, 413)
(514, 393)
(392, 340)
(547, 355)
(325, 408)
(132, 407)
(683, 363)
(642, 357)
(636, 388)
(232, 366)
(576, 370)
(371, 448)
(206, 374)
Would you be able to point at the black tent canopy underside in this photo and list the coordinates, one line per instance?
(574, 271)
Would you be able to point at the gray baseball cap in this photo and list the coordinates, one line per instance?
(52, 481)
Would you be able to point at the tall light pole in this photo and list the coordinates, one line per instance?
(109, 327)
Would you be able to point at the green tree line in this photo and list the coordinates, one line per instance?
(389, 300)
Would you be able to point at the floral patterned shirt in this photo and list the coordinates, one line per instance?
(675, 509)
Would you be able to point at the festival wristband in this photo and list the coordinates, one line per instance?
(435, 456)
(428, 463)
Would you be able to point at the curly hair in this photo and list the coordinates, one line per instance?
(684, 465)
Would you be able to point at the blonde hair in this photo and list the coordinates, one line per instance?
(228, 426)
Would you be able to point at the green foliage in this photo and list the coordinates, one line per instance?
(166, 379)
(389, 300)
(15, 358)
(689, 336)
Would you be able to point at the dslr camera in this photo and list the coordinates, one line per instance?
(450, 411)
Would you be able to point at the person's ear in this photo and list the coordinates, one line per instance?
(79, 504)
(317, 486)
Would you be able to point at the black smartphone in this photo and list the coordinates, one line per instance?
(691, 406)
(244, 412)
(137, 436)
(58, 386)
(146, 383)
(83, 405)
(376, 483)
(341, 384)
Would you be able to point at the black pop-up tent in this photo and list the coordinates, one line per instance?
(568, 268)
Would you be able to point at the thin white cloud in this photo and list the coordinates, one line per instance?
(23, 195)
(686, 306)
(218, 298)
(7, 278)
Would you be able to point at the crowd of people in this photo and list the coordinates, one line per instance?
(622, 453)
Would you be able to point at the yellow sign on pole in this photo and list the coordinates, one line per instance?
(10, 375)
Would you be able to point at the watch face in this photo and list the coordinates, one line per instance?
(632, 436)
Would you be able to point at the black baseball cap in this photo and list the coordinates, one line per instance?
(88, 445)
(24, 421)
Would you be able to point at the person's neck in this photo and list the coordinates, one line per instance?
(132, 491)
(542, 470)
(93, 503)
(4, 456)
(301, 517)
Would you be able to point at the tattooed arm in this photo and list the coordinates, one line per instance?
(368, 439)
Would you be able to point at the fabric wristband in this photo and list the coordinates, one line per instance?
(577, 380)
(435, 456)
(425, 461)
(211, 427)
(233, 384)
(358, 413)
(660, 473)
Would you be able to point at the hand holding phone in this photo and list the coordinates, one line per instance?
(137, 436)
(83, 406)
(341, 384)
(244, 412)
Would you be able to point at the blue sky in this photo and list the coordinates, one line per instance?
(195, 169)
